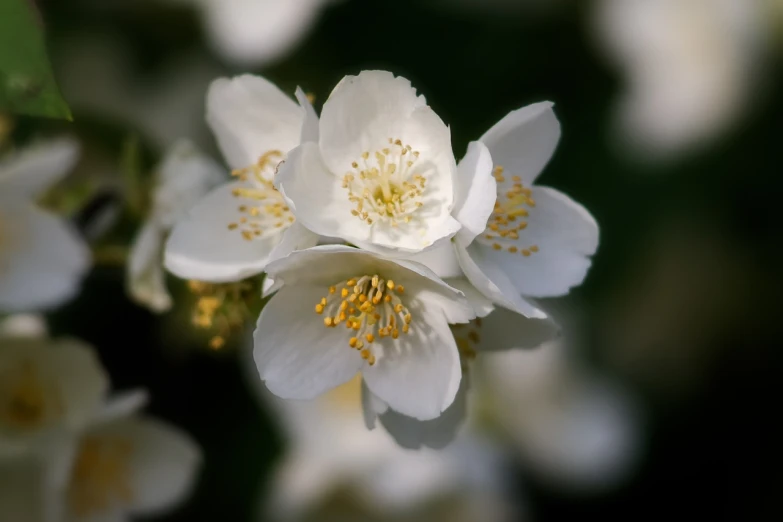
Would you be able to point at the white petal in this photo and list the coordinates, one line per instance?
(480, 303)
(566, 235)
(163, 462)
(82, 381)
(441, 259)
(249, 116)
(252, 32)
(476, 191)
(316, 196)
(436, 433)
(362, 112)
(295, 237)
(296, 355)
(524, 140)
(32, 171)
(184, 176)
(122, 405)
(505, 330)
(42, 259)
(310, 126)
(418, 374)
(490, 280)
(146, 281)
(372, 406)
(202, 247)
(24, 325)
(335, 262)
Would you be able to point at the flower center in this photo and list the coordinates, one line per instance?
(28, 403)
(263, 209)
(386, 186)
(222, 307)
(370, 306)
(513, 205)
(100, 479)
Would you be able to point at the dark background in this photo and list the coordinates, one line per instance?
(687, 275)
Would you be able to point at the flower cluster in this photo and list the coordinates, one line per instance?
(68, 451)
(382, 254)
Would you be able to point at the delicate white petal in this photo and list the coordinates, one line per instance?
(310, 125)
(122, 405)
(146, 281)
(296, 355)
(316, 196)
(566, 235)
(480, 303)
(476, 191)
(184, 176)
(295, 237)
(82, 380)
(24, 325)
(490, 280)
(419, 373)
(202, 247)
(42, 259)
(33, 170)
(441, 259)
(362, 112)
(336, 262)
(505, 330)
(372, 406)
(163, 462)
(436, 433)
(249, 116)
(253, 32)
(524, 141)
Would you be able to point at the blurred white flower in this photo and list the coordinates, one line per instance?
(574, 429)
(240, 226)
(183, 177)
(691, 67)
(47, 387)
(331, 451)
(42, 259)
(340, 310)
(381, 175)
(123, 464)
(257, 32)
(537, 241)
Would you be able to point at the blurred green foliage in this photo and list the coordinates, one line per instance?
(27, 84)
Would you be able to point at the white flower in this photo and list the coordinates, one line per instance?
(42, 260)
(340, 310)
(46, 386)
(382, 173)
(575, 429)
(183, 177)
(123, 464)
(240, 226)
(256, 32)
(501, 330)
(330, 450)
(690, 66)
(537, 242)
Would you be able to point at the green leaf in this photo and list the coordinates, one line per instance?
(27, 84)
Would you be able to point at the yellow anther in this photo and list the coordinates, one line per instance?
(352, 342)
(319, 308)
(328, 321)
(390, 284)
(370, 337)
